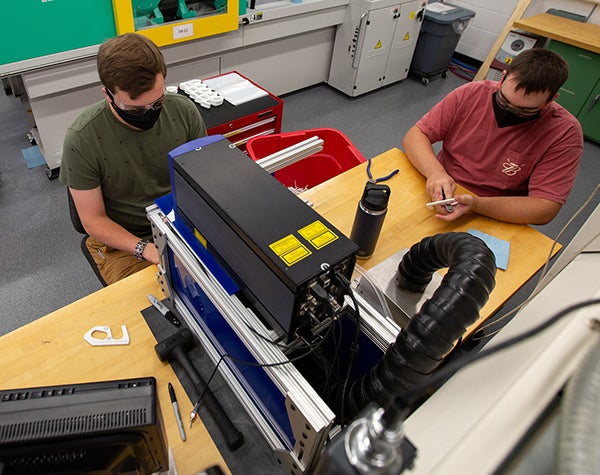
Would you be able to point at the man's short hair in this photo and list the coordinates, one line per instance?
(130, 62)
(539, 70)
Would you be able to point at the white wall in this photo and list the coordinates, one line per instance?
(492, 15)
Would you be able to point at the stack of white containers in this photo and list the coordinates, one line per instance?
(200, 93)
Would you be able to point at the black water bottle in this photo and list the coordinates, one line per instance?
(369, 218)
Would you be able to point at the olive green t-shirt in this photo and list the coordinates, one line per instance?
(131, 166)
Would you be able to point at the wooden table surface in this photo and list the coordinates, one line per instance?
(565, 30)
(408, 221)
(52, 351)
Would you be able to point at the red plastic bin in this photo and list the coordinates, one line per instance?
(337, 156)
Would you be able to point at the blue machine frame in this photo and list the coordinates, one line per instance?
(287, 410)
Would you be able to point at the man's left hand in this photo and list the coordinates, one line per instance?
(464, 205)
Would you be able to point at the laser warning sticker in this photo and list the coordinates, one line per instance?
(318, 234)
(290, 250)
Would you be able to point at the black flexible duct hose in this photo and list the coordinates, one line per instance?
(433, 331)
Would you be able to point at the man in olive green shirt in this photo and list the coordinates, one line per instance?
(115, 154)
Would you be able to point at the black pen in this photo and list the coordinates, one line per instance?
(164, 311)
(176, 411)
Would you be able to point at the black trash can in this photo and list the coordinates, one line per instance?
(440, 33)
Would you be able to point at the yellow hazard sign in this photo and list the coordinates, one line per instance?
(318, 234)
(290, 250)
(378, 45)
(407, 36)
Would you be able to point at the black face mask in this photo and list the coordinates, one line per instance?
(143, 121)
(506, 118)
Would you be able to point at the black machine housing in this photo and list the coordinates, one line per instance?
(284, 261)
(101, 427)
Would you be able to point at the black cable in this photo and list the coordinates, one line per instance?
(408, 399)
(291, 346)
(259, 365)
(334, 365)
(282, 346)
(246, 363)
(354, 347)
(352, 354)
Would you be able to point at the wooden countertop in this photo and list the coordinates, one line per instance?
(52, 351)
(565, 30)
(408, 221)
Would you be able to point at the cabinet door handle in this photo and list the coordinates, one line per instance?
(362, 24)
(594, 102)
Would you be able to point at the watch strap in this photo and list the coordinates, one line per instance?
(139, 249)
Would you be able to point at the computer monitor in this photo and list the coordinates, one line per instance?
(102, 427)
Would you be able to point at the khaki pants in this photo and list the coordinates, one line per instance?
(113, 264)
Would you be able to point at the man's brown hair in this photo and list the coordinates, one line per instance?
(539, 70)
(130, 62)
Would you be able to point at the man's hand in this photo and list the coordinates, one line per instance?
(465, 205)
(151, 253)
(440, 186)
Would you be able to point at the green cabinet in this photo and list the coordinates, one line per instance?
(580, 95)
(589, 115)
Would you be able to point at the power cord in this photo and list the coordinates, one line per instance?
(312, 349)
(354, 347)
(237, 360)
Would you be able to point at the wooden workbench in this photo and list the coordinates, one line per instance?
(408, 221)
(52, 351)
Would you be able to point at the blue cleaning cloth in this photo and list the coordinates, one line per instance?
(499, 247)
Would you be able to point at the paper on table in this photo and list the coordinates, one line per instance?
(234, 88)
(499, 247)
(439, 8)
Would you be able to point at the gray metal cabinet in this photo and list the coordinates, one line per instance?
(375, 44)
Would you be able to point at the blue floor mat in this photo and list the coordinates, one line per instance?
(33, 156)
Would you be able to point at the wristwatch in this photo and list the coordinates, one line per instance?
(139, 249)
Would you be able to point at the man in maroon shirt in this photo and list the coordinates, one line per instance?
(507, 142)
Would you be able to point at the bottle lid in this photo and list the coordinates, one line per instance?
(375, 197)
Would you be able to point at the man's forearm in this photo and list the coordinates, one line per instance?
(439, 184)
(106, 231)
(517, 209)
(418, 149)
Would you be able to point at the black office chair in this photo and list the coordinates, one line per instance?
(80, 229)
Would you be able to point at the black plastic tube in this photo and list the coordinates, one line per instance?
(442, 320)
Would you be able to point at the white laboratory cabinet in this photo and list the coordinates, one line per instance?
(374, 45)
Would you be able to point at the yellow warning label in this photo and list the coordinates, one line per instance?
(412, 15)
(200, 237)
(378, 45)
(318, 234)
(407, 36)
(290, 250)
